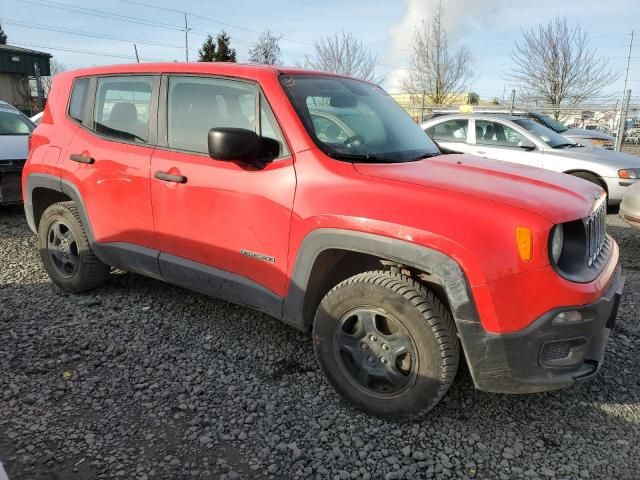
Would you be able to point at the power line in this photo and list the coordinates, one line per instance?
(87, 52)
(84, 33)
(103, 14)
(208, 19)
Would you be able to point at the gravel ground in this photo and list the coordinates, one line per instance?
(142, 380)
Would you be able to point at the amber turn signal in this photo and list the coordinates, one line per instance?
(524, 239)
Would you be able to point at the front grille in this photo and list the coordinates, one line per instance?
(596, 228)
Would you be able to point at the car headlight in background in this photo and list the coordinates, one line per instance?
(557, 243)
(629, 173)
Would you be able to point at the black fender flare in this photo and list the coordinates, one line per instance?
(52, 182)
(436, 263)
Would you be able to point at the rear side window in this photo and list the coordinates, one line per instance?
(78, 99)
(449, 131)
(122, 108)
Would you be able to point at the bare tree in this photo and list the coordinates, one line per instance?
(555, 66)
(345, 54)
(266, 49)
(55, 68)
(435, 73)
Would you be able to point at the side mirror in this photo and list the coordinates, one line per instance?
(526, 144)
(234, 144)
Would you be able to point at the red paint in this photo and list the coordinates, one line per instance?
(465, 207)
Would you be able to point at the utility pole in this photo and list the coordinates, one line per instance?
(624, 90)
(513, 101)
(135, 48)
(186, 37)
(39, 89)
(623, 117)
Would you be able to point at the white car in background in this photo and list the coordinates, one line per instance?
(630, 206)
(15, 128)
(522, 140)
(37, 117)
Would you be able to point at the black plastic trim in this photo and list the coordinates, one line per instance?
(219, 283)
(444, 268)
(510, 363)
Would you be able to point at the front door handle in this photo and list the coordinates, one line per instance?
(81, 158)
(169, 177)
(481, 152)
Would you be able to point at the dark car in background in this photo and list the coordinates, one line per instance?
(15, 129)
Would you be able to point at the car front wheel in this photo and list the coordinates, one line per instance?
(386, 343)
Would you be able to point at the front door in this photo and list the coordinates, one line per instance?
(214, 217)
(499, 141)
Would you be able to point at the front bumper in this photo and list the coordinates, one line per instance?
(11, 184)
(546, 355)
(618, 187)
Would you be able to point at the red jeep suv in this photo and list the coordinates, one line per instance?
(315, 198)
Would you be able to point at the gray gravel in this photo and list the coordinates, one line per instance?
(143, 380)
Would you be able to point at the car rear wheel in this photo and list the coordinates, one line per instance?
(386, 343)
(65, 251)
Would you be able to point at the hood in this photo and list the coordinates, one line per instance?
(598, 155)
(14, 147)
(583, 133)
(555, 196)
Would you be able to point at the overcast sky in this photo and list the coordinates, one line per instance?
(488, 28)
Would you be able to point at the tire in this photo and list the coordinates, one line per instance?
(382, 308)
(65, 250)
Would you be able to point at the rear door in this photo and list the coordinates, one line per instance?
(108, 160)
(219, 216)
(452, 134)
(501, 141)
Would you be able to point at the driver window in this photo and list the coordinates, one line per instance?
(198, 104)
(496, 134)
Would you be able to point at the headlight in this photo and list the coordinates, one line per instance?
(557, 243)
(629, 173)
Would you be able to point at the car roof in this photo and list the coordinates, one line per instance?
(486, 116)
(245, 70)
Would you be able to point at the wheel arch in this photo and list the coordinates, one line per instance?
(43, 190)
(328, 256)
(601, 180)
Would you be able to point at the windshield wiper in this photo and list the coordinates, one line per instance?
(425, 155)
(354, 157)
(567, 145)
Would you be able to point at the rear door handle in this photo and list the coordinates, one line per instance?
(481, 152)
(81, 158)
(169, 177)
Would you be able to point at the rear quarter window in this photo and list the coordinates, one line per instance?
(78, 99)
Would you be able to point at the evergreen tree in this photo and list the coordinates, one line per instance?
(217, 51)
(208, 51)
(3, 37)
(224, 52)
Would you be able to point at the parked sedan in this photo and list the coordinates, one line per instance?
(630, 206)
(15, 128)
(522, 140)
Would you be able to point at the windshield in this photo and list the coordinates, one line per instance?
(12, 122)
(356, 121)
(549, 122)
(548, 136)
